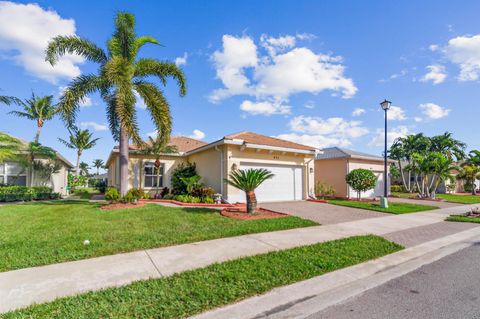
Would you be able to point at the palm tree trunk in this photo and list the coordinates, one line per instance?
(123, 161)
(158, 183)
(251, 202)
(37, 136)
(77, 167)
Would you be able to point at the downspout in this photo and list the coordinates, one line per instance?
(221, 167)
(346, 184)
(308, 178)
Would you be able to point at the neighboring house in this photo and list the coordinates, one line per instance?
(334, 163)
(15, 174)
(291, 163)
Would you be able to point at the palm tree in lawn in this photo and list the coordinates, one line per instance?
(247, 181)
(79, 140)
(98, 163)
(158, 147)
(121, 73)
(39, 109)
(83, 168)
(469, 173)
(446, 144)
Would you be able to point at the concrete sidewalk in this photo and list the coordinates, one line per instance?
(23, 287)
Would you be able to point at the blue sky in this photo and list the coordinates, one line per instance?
(309, 71)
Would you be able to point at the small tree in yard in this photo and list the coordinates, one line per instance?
(247, 181)
(361, 180)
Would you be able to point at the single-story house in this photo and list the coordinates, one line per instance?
(334, 163)
(14, 173)
(292, 164)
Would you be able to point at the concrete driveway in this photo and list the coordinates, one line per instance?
(321, 213)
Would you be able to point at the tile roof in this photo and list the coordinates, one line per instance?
(337, 152)
(255, 138)
(184, 144)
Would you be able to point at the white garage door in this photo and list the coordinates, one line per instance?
(287, 184)
(376, 192)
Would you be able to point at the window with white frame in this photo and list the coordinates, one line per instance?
(150, 175)
(13, 174)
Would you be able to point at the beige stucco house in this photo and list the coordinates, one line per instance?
(292, 164)
(333, 164)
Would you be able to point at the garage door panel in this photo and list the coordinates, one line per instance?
(286, 184)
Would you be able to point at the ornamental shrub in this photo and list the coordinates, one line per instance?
(182, 171)
(25, 193)
(323, 190)
(112, 194)
(361, 180)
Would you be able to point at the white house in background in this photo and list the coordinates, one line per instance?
(333, 164)
(13, 173)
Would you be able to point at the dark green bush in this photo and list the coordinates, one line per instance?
(112, 194)
(25, 193)
(184, 170)
(397, 189)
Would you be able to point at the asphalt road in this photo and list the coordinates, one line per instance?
(448, 288)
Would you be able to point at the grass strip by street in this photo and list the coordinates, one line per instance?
(195, 291)
(393, 208)
(53, 232)
(461, 199)
(465, 219)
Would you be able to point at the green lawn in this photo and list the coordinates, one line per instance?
(36, 234)
(85, 193)
(459, 218)
(404, 195)
(192, 292)
(462, 199)
(394, 208)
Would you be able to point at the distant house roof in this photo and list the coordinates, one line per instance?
(337, 152)
(254, 138)
(182, 143)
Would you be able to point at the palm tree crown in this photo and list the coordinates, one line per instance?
(38, 109)
(79, 140)
(121, 74)
(10, 147)
(98, 163)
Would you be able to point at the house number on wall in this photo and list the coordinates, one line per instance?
(276, 157)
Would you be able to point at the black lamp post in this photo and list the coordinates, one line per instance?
(384, 202)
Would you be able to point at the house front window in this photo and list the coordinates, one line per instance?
(12, 174)
(150, 179)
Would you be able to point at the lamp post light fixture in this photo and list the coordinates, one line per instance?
(384, 201)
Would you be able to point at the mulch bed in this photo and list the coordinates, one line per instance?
(241, 213)
(121, 206)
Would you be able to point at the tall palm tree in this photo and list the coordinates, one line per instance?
(158, 147)
(247, 181)
(38, 109)
(79, 140)
(98, 163)
(83, 168)
(446, 144)
(121, 73)
(8, 99)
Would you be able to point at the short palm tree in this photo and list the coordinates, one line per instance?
(38, 109)
(158, 147)
(79, 140)
(83, 168)
(98, 163)
(121, 73)
(247, 181)
(469, 173)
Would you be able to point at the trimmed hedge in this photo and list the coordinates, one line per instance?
(25, 193)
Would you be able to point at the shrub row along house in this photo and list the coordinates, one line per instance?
(292, 164)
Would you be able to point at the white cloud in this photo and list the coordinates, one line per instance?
(396, 113)
(434, 111)
(402, 73)
(433, 47)
(465, 52)
(284, 71)
(264, 108)
(94, 125)
(140, 102)
(322, 133)
(152, 134)
(309, 105)
(25, 30)
(417, 119)
(197, 134)
(306, 36)
(181, 60)
(379, 139)
(358, 111)
(436, 73)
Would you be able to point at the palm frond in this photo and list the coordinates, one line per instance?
(141, 41)
(9, 100)
(158, 107)
(22, 114)
(248, 180)
(72, 44)
(162, 70)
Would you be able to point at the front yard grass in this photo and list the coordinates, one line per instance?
(393, 208)
(465, 219)
(36, 234)
(462, 199)
(85, 193)
(185, 294)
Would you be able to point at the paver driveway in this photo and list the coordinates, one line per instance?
(322, 213)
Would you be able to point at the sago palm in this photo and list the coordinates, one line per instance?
(247, 181)
(38, 109)
(121, 73)
(79, 140)
(98, 163)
